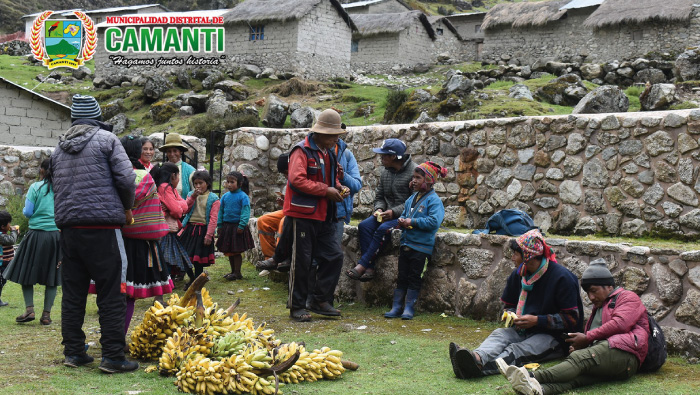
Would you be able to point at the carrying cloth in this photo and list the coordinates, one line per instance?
(149, 222)
(511, 222)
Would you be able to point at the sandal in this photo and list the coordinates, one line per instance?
(45, 318)
(26, 317)
(367, 276)
(300, 315)
(284, 266)
(230, 276)
(353, 274)
(324, 308)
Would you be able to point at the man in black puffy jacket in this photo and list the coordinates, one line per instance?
(93, 183)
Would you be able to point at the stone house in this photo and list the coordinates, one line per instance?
(589, 30)
(391, 42)
(469, 28)
(449, 42)
(30, 119)
(376, 7)
(310, 38)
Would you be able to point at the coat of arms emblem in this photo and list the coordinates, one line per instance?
(63, 42)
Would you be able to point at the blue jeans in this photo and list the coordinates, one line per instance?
(372, 235)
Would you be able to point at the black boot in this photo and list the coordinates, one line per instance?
(397, 306)
(411, 298)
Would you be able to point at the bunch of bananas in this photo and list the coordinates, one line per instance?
(201, 375)
(212, 350)
(229, 344)
(508, 317)
(181, 345)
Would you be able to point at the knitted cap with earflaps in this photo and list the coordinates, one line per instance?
(597, 273)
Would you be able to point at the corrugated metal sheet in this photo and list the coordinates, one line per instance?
(361, 3)
(582, 4)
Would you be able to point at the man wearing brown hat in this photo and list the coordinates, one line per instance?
(310, 201)
(174, 149)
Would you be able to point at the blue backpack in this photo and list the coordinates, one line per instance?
(511, 222)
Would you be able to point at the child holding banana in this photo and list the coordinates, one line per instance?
(421, 218)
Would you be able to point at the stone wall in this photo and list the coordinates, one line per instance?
(623, 174)
(467, 274)
(391, 53)
(468, 26)
(567, 38)
(19, 168)
(30, 119)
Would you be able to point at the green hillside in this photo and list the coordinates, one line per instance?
(62, 48)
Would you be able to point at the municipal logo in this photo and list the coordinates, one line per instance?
(63, 42)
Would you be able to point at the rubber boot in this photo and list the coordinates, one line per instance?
(411, 298)
(397, 306)
(237, 268)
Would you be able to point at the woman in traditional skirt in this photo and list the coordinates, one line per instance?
(234, 234)
(37, 260)
(200, 223)
(146, 273)
(167, 176)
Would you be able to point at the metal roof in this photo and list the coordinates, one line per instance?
(61, 12)
(198, 13)
(361, 3)
(581, 4)
(466, 14)
(2, 79)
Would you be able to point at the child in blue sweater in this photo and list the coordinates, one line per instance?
(420, 221)
(234, 234)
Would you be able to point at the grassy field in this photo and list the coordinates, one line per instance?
(395, 357)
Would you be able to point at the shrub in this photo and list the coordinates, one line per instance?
(406, 113)
(202, 126)
(394, 100)
(14, 206)
(294, 86)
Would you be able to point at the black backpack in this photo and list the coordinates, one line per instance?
(656, 351)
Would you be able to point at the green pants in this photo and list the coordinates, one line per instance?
(588, 366)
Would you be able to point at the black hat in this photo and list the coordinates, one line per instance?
(597, 273)
(283, 163)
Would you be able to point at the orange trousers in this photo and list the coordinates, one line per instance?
(270, 229)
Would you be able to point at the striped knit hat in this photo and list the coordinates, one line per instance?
(432, 171)
(85, 107)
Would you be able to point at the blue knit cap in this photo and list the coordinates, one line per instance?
(85, 107)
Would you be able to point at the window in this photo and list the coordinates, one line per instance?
(257, 33)
(638, 35)
(439, 31)
(477, 28)
(354, 45)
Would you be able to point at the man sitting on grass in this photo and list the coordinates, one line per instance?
(544, 295)
(612, 348)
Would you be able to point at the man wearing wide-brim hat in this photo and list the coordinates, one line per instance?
(174, 149)
(310, 201)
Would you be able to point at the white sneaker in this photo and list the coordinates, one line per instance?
(521, 381)
(502, 366)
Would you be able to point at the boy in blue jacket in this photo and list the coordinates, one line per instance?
(421, 218)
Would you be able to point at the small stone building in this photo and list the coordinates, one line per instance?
(310, 38)
(392, 42)
(448, 42)
(469, 28)
(590, 30)
(376, 7)
(30, 119)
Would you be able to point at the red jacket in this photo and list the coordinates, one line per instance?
(311, 172)
(626, 327)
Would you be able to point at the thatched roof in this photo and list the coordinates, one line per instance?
(261, 11)
(436, 18)
(614, 12)
(524, 14)
(371, 24)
